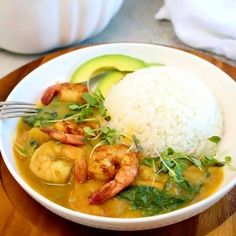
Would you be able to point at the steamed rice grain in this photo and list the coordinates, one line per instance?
(165, 107)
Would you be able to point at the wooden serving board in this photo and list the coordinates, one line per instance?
(21, 215)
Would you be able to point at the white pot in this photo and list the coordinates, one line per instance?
(32, 26)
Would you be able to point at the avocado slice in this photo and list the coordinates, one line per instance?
(104, 85)
(106, 62)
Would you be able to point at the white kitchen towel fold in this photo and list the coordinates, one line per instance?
(203, 24)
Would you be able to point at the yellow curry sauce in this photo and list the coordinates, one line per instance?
(75, 195)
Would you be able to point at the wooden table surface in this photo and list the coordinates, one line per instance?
(21, 215)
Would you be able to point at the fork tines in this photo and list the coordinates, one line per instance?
(11, 109)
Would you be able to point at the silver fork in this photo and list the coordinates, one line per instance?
(11, 109)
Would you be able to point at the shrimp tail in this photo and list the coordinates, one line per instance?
(80, 170)
(105, 192)
(50, 93)
(73, 139)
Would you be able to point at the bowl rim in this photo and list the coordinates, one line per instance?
(192, 209)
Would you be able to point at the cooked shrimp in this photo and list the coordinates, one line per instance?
(70, 127)
(68, 132)
(66, 92)
(108, 162)
(53, 163)
(67, 138)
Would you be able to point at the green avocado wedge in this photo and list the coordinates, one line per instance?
(102, 63)
(104, 85)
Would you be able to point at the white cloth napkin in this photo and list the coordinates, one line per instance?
(203, 24)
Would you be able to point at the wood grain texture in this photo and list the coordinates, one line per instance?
(21, 215)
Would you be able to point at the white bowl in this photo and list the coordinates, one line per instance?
(61, 68)
(43, 25)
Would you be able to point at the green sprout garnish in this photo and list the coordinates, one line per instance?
(215, 139)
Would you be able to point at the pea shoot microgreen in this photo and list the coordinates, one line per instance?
(175, 163)
(228, 159)
(210, 160)
(20, 150)
(34, 144)
(137, 143)
(89, 131)
(228, 162)
(94, 104)
(214, 139)
(105, 134)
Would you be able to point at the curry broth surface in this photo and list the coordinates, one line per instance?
(75, 195)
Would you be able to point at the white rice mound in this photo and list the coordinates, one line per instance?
(165, 107)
